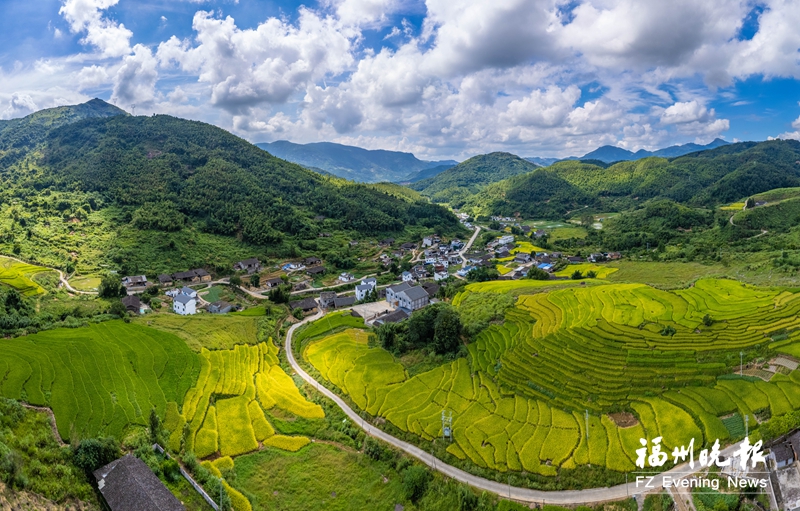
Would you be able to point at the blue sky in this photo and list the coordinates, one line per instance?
(440, 78)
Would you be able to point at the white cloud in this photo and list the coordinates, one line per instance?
(246, 68)
(112, 39)
(689, 111)
(19, 105)
(134, 83)
(543, 108)
(91, 77)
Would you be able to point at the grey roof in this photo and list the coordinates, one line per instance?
(415, 293)
(307, 304)
(222, 304)
(164, 278)
(344, 301)
(187, 290)
(431, 288)
(200, 272)
(783, 452)
(183, 275)
(253, 261)
(316, 269)
(181, 298)
(371, 279)
(132, 301)
(393, 317)
(363, 287)
(127, 484)
(400, 287)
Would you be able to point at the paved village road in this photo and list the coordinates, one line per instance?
(61, 278)
(588, 496)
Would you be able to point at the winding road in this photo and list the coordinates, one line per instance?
(564, 497)
(61, 279)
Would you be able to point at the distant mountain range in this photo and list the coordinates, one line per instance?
(355, 163)
(610, 153)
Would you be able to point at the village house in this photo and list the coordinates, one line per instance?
(407, 276)
(312, 261)
(307, 306)
(128, 483)
(300, 286)
(325, 235)
(522, 258)
(431, 289)
(344, 301)
(251, 266)
(326, 299)
(408, 246)
(613, 256)
(539, 233)
(274, 282)
(185, 304)
(220, 307)
(503, 253)
(431, 260)
(165, 280)
(574, 259)
(316, 270)
(363, 290)
(192, 276)
(133, 304)
(135, 281)
(456, 245)
(454, 259)
(387, 242)
(595, 258)
(526, 229)
(427, 241)
(391, 317)
(413, 298)
(508, 238)
(440, 275)
(392, 291)
(346, 277)
(353, 243)
(439, 268)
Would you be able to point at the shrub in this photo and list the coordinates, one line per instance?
(171, 470)
(415, 482)
(94, 453)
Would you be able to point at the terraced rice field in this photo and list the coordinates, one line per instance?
(98, 379)
(519, 399)
(601, 271)
(210, 331)
(225, 409)
(20, 276)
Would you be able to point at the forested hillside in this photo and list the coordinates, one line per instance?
(456, 184)
(164, 174)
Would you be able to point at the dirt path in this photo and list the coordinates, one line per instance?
(61, 279)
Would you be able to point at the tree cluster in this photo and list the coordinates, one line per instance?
(436, 328)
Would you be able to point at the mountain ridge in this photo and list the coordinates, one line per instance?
(351, 162)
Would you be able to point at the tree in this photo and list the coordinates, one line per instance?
(255, 280)
(576, 275)
(415, 482)
(750, 203)
(111, 287)
(117, 308)
(708, 320)
(297, 313)
(591, 274)
(392, 336)
(447, 331)
(94, 453)
(280, 294)
(155, 426)
(537, 274)
(482, 274)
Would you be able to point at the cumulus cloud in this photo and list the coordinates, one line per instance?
(543, 108)
(91, 77)
(134, 83)
(112, 39)
(686, 112)
(19, 105)
(246, 68)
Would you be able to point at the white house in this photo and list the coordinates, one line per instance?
(407, 276)
(427, 242)
(184, 305)
(346, 277)
(504, 240)
(440, 275)
(431, 260)
(187, 291)
(365, 288)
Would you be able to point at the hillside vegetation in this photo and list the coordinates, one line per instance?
(122, 182)
(454, 185)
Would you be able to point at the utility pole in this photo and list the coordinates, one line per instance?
(741, 362)
(746, 424)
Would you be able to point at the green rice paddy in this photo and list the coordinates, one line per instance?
(519, 399)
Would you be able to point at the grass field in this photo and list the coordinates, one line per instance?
(519, 397)
(98, 379)
(211, 331)
(85, 283)
(20, 276)
(602, 271)
(318, 477)
(664, 274)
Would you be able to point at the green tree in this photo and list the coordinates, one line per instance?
(111, 287)
(591, 274)
(236, 280)
(117, 308)
(576, 275)
(155, 426)
(535, 273)
(94, 453)
(447, 331)
(415, 482)
(255, 280)
(708, 320)
(297, 313)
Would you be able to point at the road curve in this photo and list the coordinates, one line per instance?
(61, 278)
(588, 496)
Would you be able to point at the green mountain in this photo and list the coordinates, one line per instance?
(427, 173)
(162, 174)
(703, 179)
(454, 185)
(17, 136)
(349, 162)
